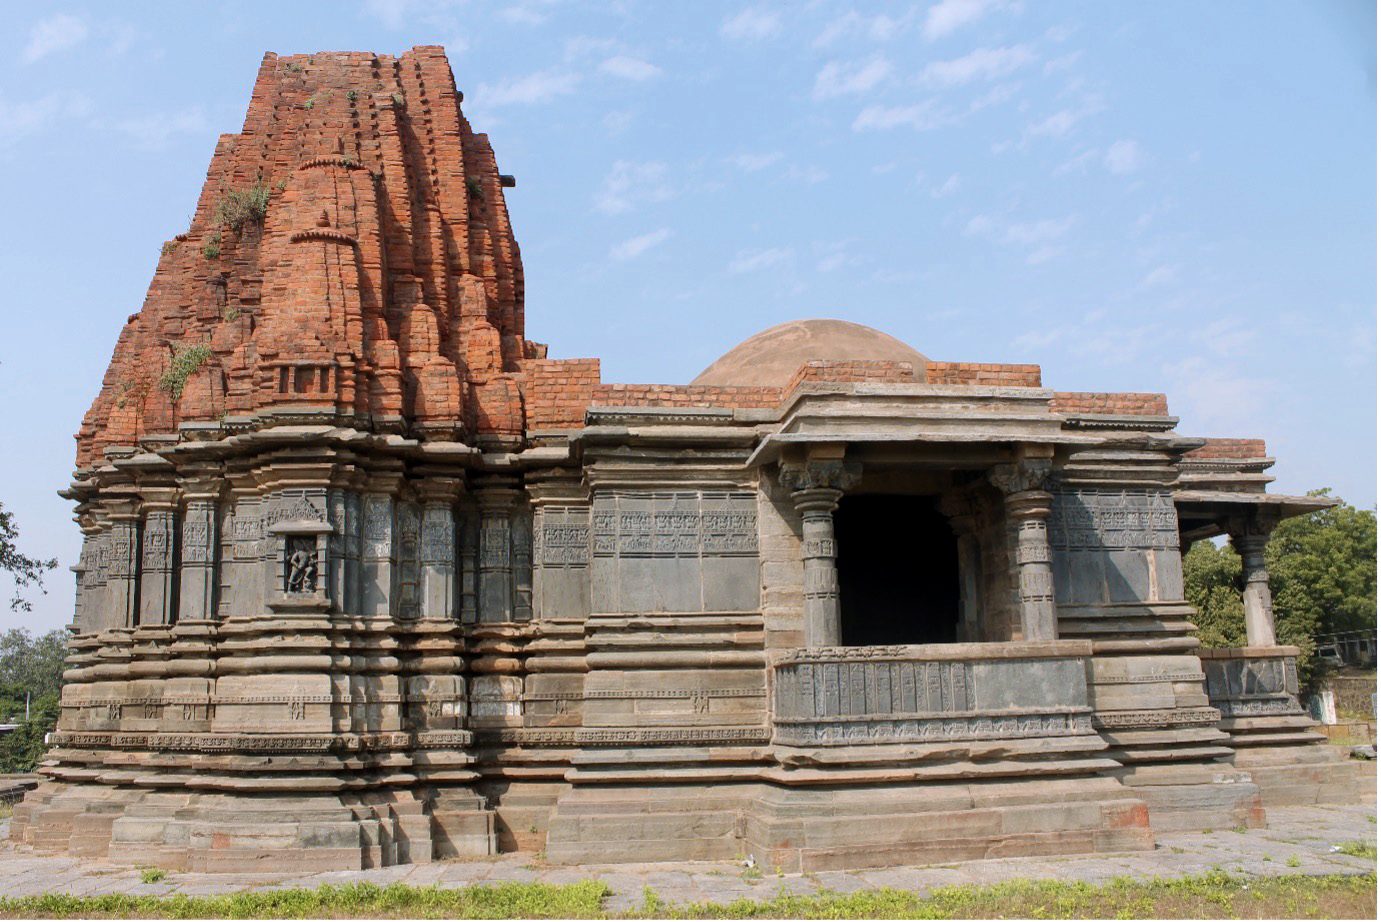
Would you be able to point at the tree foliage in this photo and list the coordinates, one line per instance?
(29, 667)
(27, 571)
(1323, 580)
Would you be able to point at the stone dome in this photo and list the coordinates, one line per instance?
(772, 357)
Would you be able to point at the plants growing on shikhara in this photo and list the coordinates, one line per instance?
(187, 358)
(240, 207)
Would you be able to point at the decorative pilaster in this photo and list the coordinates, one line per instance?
(1249, 537)
(157, 602)
(377, 556)
(496, 500)
(1027, 510)
(816, 487)
(197, 577)
(439, 590)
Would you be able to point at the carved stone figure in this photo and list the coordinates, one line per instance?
(301, 565)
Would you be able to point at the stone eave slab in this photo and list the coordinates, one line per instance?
(1226, 502)
(769, 450)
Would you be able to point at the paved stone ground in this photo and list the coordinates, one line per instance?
(1300, 840)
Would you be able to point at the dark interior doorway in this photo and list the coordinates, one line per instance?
(898, 571)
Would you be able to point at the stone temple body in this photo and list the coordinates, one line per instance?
(369, 579)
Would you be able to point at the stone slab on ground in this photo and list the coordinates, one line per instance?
(1299, 840)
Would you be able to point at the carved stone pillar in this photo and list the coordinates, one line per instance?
(124, 568)
(1027, 510)
(1249, 537)
(377, 556)
(197, 577)
(439, 593)
(157, 603)
(962, 511)
(496, 500)
(816, 487)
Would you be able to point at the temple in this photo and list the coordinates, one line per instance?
(367, 578)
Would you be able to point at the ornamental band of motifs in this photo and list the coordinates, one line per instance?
(247, 742)
(1113, 519)
(887, 729)
(674, 524)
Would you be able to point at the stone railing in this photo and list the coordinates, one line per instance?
(1253, 681)
(840, 696)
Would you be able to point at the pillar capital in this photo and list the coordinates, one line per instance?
(837, 476)
(1022, 476)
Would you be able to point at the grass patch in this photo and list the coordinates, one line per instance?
(6, 810)
(1214, 895)
(1359, 849)
(151, 875)
(365, 901)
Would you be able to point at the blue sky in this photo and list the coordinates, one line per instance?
(1170, 196)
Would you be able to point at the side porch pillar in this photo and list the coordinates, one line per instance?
(816, 487)
(1249, 536)
(1028, 507)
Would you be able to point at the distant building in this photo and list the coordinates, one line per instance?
(367, 578)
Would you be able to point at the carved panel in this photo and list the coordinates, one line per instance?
(378, 526)
(676, 524)
(1096, 519)
(565, 543)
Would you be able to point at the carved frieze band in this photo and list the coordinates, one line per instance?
(618, 736)
(1254, 686)
(675, 524)
(1163, 717)
(1090, 519)
(903, 729)
(263, 742)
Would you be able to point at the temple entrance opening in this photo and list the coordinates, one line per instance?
(898, 571)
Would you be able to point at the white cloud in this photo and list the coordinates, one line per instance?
(949, 15)
(806, 174)
(616, 123)
(878, 28)
(636, 246)
(54, 34)
(630, 184)
(1042, 240)
(981, 63)
(155, 130)
(923, 117)
(839, 79)
(751, 163)
(1056, 125)
(1063, 62)
(542, 86)
(526, 12)
(751, 25)
(1039, 232)
(1209, 394)
(1160, 275)
(1124, 157)
(630, 68)
(584, 46)
(948, 187)
(33, 116)
(752, 260)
